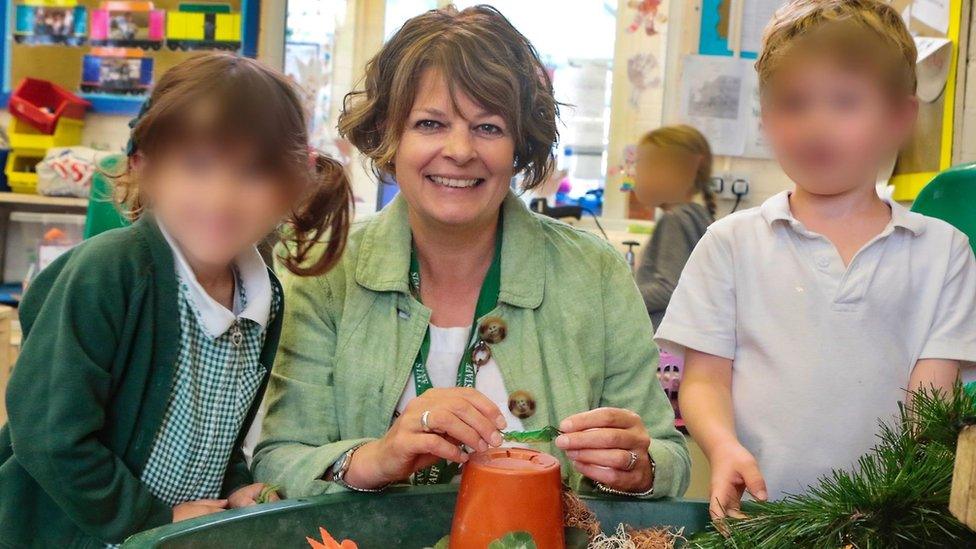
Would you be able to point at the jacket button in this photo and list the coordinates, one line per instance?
(521, 404)
(493, 330)
(480, 354)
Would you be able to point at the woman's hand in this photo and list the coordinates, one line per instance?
(457, 415)
(248, 495)
(734, 470)
(601, 444)
(198, 508)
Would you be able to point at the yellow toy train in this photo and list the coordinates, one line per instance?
(139, 24)
(203, 26)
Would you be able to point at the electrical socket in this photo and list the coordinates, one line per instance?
(729, 186)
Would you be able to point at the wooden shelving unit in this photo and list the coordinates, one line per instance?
(41, 201)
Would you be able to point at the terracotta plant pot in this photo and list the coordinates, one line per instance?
(506, 490)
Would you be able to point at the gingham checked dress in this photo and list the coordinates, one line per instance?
(216, 380)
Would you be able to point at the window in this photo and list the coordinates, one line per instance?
(575, 41)
(311, 31)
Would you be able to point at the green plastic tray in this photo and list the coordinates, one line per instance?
(404, 517)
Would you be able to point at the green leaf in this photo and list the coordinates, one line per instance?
(514, 540)
(266, 493)
(443, 543)
(546, 434)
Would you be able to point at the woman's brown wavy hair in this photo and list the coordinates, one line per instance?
(479, 53)
(251, 105)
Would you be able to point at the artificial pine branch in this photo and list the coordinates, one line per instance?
(897, 496)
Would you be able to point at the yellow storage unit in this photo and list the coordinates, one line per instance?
(24, 136)
(228, 27)
(21, 170)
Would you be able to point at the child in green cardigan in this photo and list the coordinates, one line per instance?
(147, 349)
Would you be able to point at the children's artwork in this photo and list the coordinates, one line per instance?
(626, 170)
(642, 74)
(715, 99)
(645, 16)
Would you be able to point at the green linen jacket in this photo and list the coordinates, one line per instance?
(578, 338)
(89, 391)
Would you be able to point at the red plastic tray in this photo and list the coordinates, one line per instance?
(41, 103)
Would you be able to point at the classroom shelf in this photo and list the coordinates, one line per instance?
(41, 200)
(62, 64)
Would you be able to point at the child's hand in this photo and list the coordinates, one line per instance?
(198, 508)
(249, 495)
(733, 471)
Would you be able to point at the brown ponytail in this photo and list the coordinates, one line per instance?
(323, 217)
(687, 139)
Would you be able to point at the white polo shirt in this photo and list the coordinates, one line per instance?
(820, 352)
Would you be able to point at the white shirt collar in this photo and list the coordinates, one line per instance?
(214, 317)
(777, 208)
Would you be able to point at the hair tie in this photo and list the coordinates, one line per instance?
(130, 147)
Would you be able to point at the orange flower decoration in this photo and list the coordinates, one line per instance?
(328, 542)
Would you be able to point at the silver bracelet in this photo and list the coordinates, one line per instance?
(342, 466)
(613, 491)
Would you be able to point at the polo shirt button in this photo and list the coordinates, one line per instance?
(823, 262)
(493, 330)
(521, 404)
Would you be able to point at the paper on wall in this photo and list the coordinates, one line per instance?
(756, 144)
(756, 14)
(934, 13)
(932, 66)
(715, 100)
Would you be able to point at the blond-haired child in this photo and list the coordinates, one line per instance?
(673, 172)
(803, 321)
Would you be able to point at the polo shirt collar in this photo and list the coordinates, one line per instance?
(216, 319)
(777, 208)
(385, 257)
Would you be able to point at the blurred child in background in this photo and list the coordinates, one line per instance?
(673, 172)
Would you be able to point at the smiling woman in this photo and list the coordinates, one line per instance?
(455, 312)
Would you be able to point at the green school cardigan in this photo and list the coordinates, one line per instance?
(88, 394)
(578, 338)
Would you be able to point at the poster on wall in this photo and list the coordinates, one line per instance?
(756, 144)
(715, 99)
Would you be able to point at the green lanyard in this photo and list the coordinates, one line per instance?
(487, 301)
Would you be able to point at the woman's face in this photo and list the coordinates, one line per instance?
(455, 161)
(662, 176)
